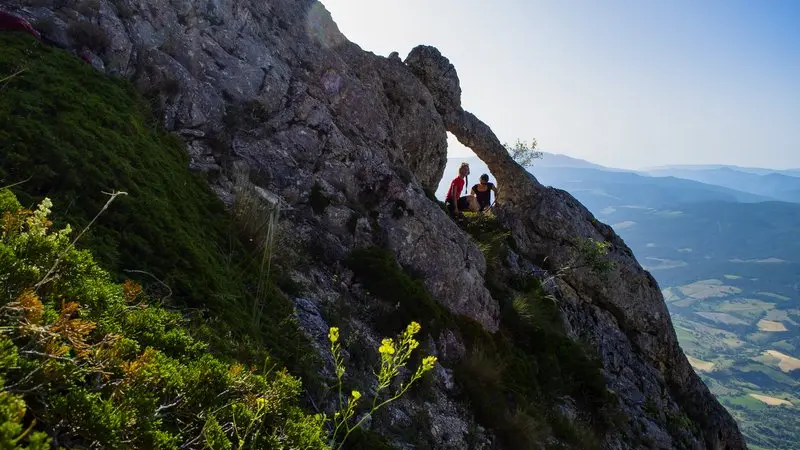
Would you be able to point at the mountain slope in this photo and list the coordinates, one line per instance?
(753, 170)
(549, 226)
(779, 186)
(344, 144)
(558, 160)
(729, 274)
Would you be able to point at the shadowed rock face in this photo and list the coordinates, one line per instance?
(273, 88)
(543, 221)
(347, 142)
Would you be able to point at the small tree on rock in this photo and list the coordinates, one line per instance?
(523, 153)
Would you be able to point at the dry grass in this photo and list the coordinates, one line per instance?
(623, 225)
(772, 401)
(722, 318)
(771, 325)
(733, 343)
(708, 289)
(257, 217)
(699, 364)
(653, 263)
(787, 363)
(780, 315)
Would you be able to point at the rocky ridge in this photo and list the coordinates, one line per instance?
(348, 143)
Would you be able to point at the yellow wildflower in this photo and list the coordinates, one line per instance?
(413, 328)
(387, 347)
(428, 362)
(333, 334)
(356, 395)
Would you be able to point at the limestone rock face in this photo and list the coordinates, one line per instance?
(273, 87)
(348, 143)
(623, 314)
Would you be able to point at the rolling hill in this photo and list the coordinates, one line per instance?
(780, 185)
(755, 170)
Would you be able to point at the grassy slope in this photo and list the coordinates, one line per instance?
(93, 364)
(74, 134)
(78, 134)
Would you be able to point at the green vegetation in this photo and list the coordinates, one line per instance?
(765, 425)
(98, 362)
(71, 134)
(728, 302)
(395, 354)
(384, 278)
(523, 153)
(740, 371)
(592, 254)
(747, 308)
(515, 378)
(530, 360)
(108, 362)
(193, 354)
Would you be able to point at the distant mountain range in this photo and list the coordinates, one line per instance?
(755, 170)
(780, 185)
(678, 183)
(724, 244)
(558, 160)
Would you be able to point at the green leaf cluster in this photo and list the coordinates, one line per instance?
(523, 153)
(98, 363)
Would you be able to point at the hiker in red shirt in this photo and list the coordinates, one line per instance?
(11, 22)
(456, 203)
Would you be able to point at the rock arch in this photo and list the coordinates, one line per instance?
(441, 79)
(543, 222)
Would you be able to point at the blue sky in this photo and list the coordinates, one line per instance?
(628, 84)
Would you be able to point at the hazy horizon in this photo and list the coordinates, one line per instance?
(469, 154)
(624, 84)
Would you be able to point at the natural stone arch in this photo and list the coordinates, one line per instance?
(439, 75)
(455, 157)
(545, 221)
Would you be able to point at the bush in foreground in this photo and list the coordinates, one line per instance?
(94, 363)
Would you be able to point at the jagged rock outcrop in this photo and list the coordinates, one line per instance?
(629, 322)
(275, 87)
(347, 142)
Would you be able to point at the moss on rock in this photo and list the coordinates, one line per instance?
(69, 133)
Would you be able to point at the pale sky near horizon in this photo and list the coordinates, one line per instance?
(623, 83)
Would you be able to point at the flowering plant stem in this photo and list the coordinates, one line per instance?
(394, 356)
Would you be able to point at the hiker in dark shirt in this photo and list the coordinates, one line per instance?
(483, 192)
